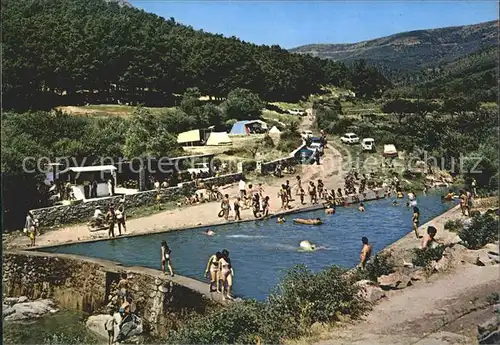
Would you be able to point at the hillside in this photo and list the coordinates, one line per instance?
(91, 51)
(413, 51)
(474, 75)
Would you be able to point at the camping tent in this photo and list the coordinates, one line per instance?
(218, 138)
(189, 137)
(248, 127)
(274, 130)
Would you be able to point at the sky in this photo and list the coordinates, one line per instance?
(295, 23)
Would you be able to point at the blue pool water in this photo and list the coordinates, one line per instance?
(261, 251)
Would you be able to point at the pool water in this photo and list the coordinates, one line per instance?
(262, 251)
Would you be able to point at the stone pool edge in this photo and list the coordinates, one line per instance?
(274, 215)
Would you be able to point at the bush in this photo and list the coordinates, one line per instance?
(238, 324)
(289, 141)
(249, 166)
(453, 225)
(302, 298)
(267, 142)
(381, 265)
(423, 257)
(483, 230)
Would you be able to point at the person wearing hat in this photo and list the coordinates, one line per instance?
(111, 218)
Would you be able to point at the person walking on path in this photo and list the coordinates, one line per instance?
(120, 217)
(237, 207)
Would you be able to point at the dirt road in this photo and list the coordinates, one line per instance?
(428, 313)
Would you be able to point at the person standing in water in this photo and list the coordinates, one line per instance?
(226, 274)
(361, 207)
(166, 259)
(213, 268)
(366, 252)
(416, 220)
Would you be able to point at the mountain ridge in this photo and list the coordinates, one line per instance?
(411, 51)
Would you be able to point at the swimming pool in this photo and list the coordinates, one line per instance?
(261, 251)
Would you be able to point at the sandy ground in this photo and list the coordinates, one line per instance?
(426, 314)
(203, 214)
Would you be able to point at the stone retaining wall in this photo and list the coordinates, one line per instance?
(292, 159)
(85, 284)
(64, 214)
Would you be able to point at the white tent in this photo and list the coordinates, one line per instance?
(218, 138)
(189, 137)
(274, 130)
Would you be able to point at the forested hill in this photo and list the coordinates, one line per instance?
(409, 52)
(474, 75)
(93, 51)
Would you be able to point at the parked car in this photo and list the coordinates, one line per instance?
(306, 134)
(368, 144)
(349, 138)
(199, 168)
(297, 112)
(390, 151)
(317, 144)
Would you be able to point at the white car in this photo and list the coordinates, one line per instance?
(368, 144)
(199, 168)
(297, 112)
(306, 134)
(317, 145)
(349, 138)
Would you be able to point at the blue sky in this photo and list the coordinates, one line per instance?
(294, 23)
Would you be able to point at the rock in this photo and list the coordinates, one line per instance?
(394, 280)
(96, 323)
(494, 258)
(492, 248)
(444, 338)
(22, 299)
(443, 264)
(131, 326)
(489, 330)
(483, 259)
(10, 300)
(369, 292)
(455, 240)
(459, 253)
(29, 310)
(158, 281)
(418, 275)
(7, 310)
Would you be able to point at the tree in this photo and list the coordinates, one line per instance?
(399, 107)
(459, 105)
(191, 103)
(242, 104)
(424, 107)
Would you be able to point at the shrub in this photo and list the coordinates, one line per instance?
(483, 230)
(267, 142)
(240, 323)
(423, 257)
(249, 166)
(381, 265)
(289, 141)
(453, 225)
(303, 298)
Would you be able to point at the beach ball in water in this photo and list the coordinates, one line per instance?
(306, 245)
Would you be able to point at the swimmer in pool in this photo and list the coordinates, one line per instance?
(361, 207)
(210, 232)
(395, 203)
(281, 220)
(307, 246)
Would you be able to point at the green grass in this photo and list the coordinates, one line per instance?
(103, 110)
(289, 106)
(70, 324)
(271, 115)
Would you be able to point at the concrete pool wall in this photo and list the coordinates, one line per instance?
(84, 284)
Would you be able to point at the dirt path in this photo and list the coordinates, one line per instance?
(203, 214)
(427, 313)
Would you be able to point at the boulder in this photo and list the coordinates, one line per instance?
(30, 310)
(418, 275)
(95, 323)
(22, 299)
(483, 259)
(394, 280)
(459, 253)
(443, 264)
(131, 326)
(369, 291)
(10, 300)
(489, 330)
